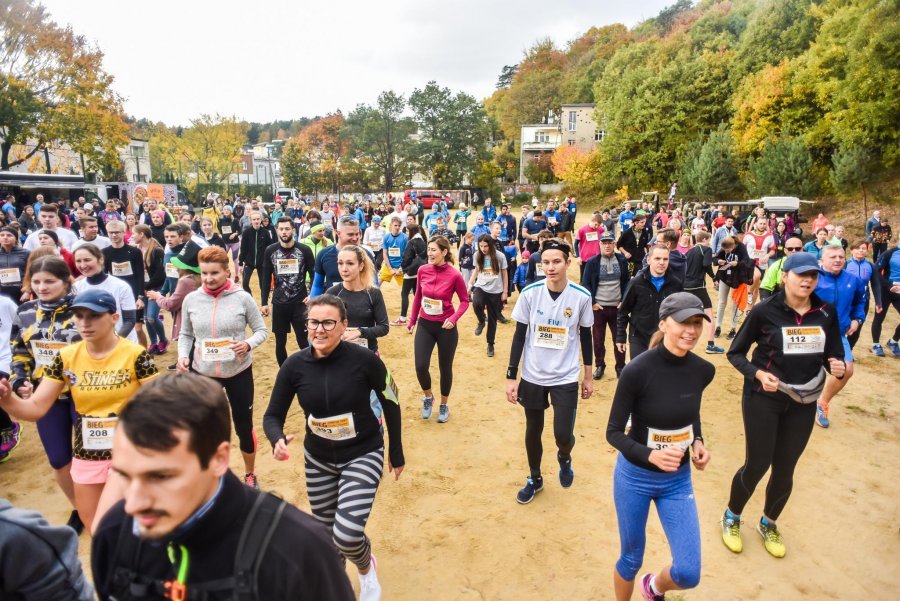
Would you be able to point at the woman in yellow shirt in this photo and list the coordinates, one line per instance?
(102, 372)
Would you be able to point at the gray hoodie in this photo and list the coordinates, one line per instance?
(39, 562)
(204, 317)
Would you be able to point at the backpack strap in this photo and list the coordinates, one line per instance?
(255, 537)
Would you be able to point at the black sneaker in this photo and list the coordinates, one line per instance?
(731, 335)
(718, 331)
(490, 350)
(479, 329)
(619, 371)
(532, 487)
(75, 522)
(172, 367)
(566, 475)
(502, 319)
(598, 373)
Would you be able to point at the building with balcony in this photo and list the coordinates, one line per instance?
(537, 139)
(136, 160)
(578, 126)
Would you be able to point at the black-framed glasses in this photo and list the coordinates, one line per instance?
(792, 248)
(327, 324)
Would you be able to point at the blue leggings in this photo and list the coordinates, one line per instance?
(155, 328)
(633, 489)
(55, 431)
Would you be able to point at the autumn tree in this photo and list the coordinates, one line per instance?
(380, 135)
(209, 147)
(53, 89)
(578, 169)
(317, 158)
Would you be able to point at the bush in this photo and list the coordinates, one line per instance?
(784, 168)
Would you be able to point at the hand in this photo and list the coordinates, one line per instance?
(837, 368)
(448, 325)
(895, 288)
(5, 389)
(701, 455)
(854, 325)
(240, 348)
(24, 391)
(182, 365)
(587, 387)
(668, 460)
(351, 334)
(878, 309)
(503, 297)
(153, 295)
(721, 261)
(595, 307)
(626, 253)
(280, 452)
(769, 381)
(395, 470)
(139, 304)
(620, 346)
(264, 310)
(512, 391)
(306, 300)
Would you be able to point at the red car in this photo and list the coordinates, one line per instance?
(428, 198)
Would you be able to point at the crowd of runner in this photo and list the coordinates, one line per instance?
(90, 297)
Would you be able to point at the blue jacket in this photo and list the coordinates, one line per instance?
(864, 270)
(519, 277)
(490, 214)
(846, 293)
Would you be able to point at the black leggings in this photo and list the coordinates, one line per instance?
(281, 353)
(563, 432)
(776, 432)
(428, 334)
(409, 285)
(239, 390)
(494, 306)
(894, 300)
(245, 276)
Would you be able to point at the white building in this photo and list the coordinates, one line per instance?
(136, 160)
(574, 127)
(536, 139)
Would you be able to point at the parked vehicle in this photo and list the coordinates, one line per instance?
(428, 198)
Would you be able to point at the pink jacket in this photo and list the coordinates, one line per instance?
(439, 284)
(172, 303)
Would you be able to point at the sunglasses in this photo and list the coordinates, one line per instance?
(792, 248)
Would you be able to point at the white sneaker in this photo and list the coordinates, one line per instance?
(369, 587)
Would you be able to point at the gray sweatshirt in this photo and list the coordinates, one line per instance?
(39, 562)
(207, 318)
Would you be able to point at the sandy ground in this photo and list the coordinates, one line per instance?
(450, 527)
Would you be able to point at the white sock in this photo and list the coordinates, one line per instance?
(653, 586)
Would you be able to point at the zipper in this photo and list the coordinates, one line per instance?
(215, 308)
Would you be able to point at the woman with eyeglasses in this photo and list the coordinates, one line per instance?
(343, 444)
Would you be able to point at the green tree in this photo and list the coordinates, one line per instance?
(851, 170)
(381, 135)
(712, 170)
(53, 88)
(784, 168)
(453, 134)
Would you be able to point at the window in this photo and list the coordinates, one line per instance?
(137, 151)
(573, 118)
(541, 137)
(243, 165)
(571, 142)
(140, 178)
(599, 135)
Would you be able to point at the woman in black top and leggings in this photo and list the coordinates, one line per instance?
(661, 390)
(797, 338)
(367, 316)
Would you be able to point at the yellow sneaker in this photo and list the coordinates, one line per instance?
(772, 539)
(731, 534)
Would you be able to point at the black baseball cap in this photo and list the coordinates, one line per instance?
(98, 301)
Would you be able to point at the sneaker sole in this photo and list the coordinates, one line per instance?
(763, 536)
(569, 485)
(520, 502)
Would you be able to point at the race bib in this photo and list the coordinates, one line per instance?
(338, 427)
(97, 433)
(802, 340)
(432, 306)
(628, 222)
(663, 439)
(287, 266)
(552, 337)
(122, 269)
(591, 236)
(363, 342)
(488, 273)
(759, 254)
(45, 351)
(552, 221)
(10, 276)
(171, 271)
(216, 349)
(539, 270)
(226, 229)
(394, 251)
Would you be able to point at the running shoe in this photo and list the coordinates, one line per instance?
(718, 331)
(647, 592)
(619, 371)
(75, 522)
(731, 533)
(598, 373)
(822, 417)
(250, 480)
(4, 457)
(172, 367)
(503, 320)
(479, 328)
(153, 349)
(895, 347)
(427, 403)
(712, 349)
(490, 350)
(532, 487)
(566, 475)
(400, 321)
(771, 539)
(9, 439)
(731, 335)
(878, 350)
(443, 414)
(163, 347)
(369, 587)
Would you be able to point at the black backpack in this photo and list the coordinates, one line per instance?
(256, 534)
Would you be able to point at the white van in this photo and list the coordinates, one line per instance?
(287, 193)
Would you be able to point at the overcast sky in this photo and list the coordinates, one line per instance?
(264, 60)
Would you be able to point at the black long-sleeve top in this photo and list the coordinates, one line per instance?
(156, 270)
(132, 256)
(365, 310)
(289, 287)
(768, 324)
(639, 309)
(658, 390)
(698, 265)
(332, 386)
(299, 563)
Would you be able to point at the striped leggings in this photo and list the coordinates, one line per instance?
(341, 496)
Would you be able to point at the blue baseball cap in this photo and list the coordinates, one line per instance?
(98, 301)
(607, 237)
(801, 262)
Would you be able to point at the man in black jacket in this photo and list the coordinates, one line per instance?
(639, 311)
(254, 241)
(187, 527)
(633, 242)
(606, 277)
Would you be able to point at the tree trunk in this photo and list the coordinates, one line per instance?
(865, 202)
(5, 147)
